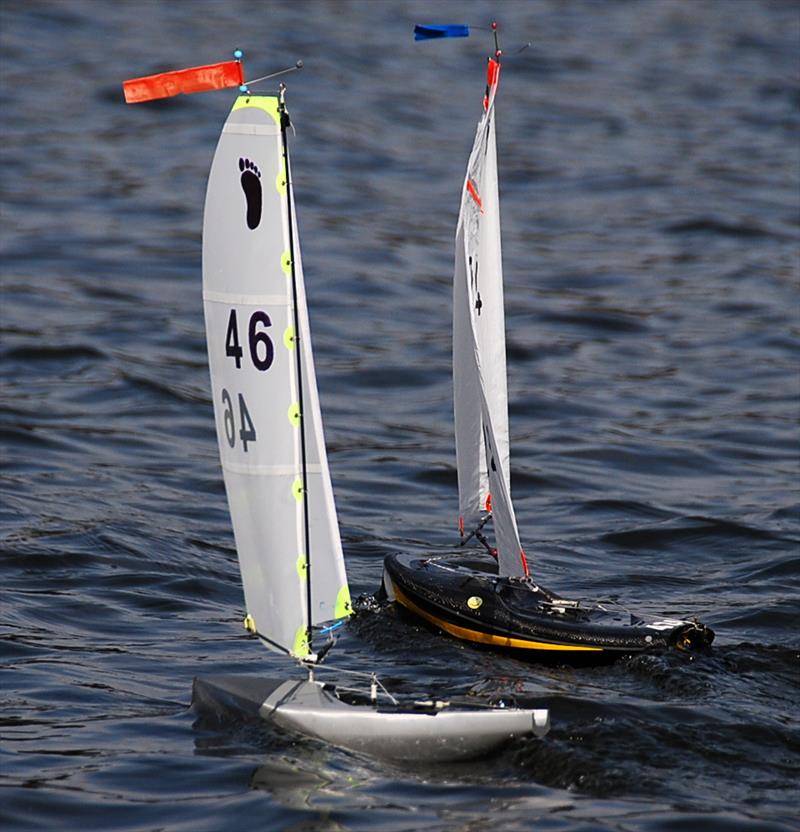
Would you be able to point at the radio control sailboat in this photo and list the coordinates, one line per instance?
(272, 449)
(494, 600)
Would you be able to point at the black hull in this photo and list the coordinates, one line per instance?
(462, 598)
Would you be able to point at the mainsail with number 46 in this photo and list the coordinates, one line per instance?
(264, 388)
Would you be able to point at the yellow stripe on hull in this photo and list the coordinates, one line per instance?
(487, 638)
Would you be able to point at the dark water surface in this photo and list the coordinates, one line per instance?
(650, 177)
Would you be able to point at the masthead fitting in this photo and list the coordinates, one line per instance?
(238, 54)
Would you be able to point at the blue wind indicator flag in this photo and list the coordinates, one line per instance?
(450, 30)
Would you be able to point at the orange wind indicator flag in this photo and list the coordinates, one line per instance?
(194, 79)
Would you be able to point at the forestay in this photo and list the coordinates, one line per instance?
(480, 394)
(248, 295)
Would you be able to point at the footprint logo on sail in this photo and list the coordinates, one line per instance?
(251, 186)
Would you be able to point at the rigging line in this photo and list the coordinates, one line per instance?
(299, 368)
(360, 673)
(481, 538)
(476, 530)
(298, 65)
(272, 643)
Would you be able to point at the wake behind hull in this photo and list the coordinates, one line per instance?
(473, 605)
(420, 733)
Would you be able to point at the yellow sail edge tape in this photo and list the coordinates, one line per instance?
(302, 566)
(343, 606)
(301, 648)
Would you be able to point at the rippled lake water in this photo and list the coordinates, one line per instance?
(650, 185)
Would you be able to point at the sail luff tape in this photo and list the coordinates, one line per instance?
(270, 470)
(246, 300)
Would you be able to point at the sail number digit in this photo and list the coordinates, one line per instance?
(232, 348)
(262, 358)
(257, 338)
(247, 431)
(227, 418)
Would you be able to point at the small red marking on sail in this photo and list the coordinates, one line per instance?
(473, 192)
(492, 80)
(461, 526)
(488, 502)
(524, 562)
(186, 81)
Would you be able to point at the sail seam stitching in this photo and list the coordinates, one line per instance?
(270, 470)
(251, 130)
(246, 300)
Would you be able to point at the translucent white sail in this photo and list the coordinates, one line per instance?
(249, 310)
(480, 394)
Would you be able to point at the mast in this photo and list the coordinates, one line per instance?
(284, 123)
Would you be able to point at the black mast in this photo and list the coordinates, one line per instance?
(285, 122)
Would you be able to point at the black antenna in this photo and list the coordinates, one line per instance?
(497, 52)
(285, 122)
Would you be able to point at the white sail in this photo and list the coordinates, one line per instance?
(249, 307)
(480, 394)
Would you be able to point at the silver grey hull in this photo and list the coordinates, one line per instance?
(394, 733)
